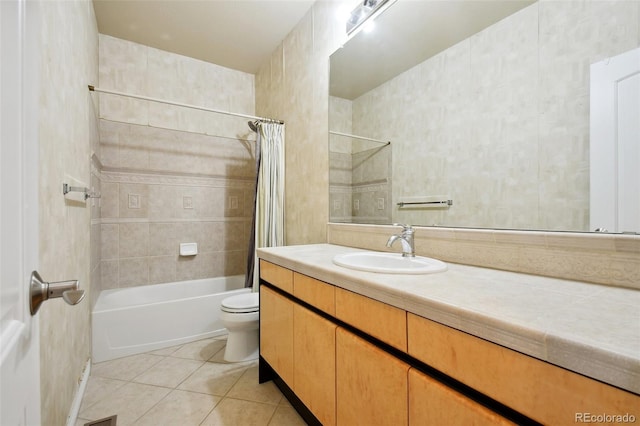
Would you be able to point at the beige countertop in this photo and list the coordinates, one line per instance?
(586, 328)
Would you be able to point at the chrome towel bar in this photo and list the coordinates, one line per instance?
(66, 188)
(441, 203)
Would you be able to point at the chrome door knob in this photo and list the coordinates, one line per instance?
(40, 290)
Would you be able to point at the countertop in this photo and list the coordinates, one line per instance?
(587, 328)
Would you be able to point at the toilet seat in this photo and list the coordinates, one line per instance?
(242, 303)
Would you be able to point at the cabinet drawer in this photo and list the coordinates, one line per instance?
(384, 322)
(316, 293)
(432, 403)
(539, 390)
(277, 276)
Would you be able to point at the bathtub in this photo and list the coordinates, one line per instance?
(133, 320)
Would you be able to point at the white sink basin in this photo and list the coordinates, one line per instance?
(389, 263)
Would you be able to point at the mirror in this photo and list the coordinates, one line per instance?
(486, 104)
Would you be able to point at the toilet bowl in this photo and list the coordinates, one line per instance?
(240, 315)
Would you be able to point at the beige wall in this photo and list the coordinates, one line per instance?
(68, 129)
(293, 86)
(171, 175)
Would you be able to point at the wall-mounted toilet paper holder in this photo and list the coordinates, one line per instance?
(39, 291)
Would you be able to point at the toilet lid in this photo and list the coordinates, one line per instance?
(246, 302)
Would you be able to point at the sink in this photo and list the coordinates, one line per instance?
(389, 263)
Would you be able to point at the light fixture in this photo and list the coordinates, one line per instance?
(367, 10)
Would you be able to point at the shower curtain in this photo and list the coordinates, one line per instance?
(267, 229)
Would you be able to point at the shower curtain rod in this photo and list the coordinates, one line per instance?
(359, 137)
(146, 98)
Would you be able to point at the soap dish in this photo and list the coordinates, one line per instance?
(188, 249)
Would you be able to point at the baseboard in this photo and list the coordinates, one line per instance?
(77, 399)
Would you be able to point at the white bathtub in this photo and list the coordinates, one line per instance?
(139, 319)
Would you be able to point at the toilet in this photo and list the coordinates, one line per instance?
(240, 315)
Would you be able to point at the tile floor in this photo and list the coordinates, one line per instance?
(184, 385)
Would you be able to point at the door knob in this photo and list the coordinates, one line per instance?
(39, 291)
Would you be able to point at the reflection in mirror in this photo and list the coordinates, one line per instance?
(490, 108)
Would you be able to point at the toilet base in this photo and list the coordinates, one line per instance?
(242, 346)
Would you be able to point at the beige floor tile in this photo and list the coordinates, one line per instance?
(99, 388)
(214, 378)
(286, 416)
(200, 350)
(235, 412)
(125, 368)
(169, 372)
(249, 389)
(219, 357)
(166, 351)
(129, 402)
(180, 408)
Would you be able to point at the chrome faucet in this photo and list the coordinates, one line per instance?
(406, 238)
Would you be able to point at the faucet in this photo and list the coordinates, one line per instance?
(406, 238)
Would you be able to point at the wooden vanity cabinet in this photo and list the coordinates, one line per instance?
(349, 359)
(371, 384)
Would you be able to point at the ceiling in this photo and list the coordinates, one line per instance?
(238, 34)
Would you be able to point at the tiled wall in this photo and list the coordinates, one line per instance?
(172, 175)
(500, 121)
(359, 172)
(293, 85)
(68, 131)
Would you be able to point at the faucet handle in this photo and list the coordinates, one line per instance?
(404, 227)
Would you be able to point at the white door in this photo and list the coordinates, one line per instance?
(19, 338)
(615, 143)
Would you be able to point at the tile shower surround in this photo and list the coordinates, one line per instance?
(169, 174)
(164, 187)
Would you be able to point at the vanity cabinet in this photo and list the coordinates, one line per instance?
(347, 359)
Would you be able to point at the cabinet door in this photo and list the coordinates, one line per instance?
(371, 385)
(314, 372)
(276, 332)
(433, 403)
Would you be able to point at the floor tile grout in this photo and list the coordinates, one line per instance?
(242, 370)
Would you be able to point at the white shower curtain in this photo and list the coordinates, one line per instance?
(269, 216)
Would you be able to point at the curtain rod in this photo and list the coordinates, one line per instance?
(359, 137)
(146, 98)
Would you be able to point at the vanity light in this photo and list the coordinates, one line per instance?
(366, 11)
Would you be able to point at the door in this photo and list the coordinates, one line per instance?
(19, 339)
(615, 143)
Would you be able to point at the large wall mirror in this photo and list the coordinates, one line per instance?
(489, 104)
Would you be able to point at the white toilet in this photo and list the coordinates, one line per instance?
(240, 315)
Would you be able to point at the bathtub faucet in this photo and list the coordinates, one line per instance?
(406, 238)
